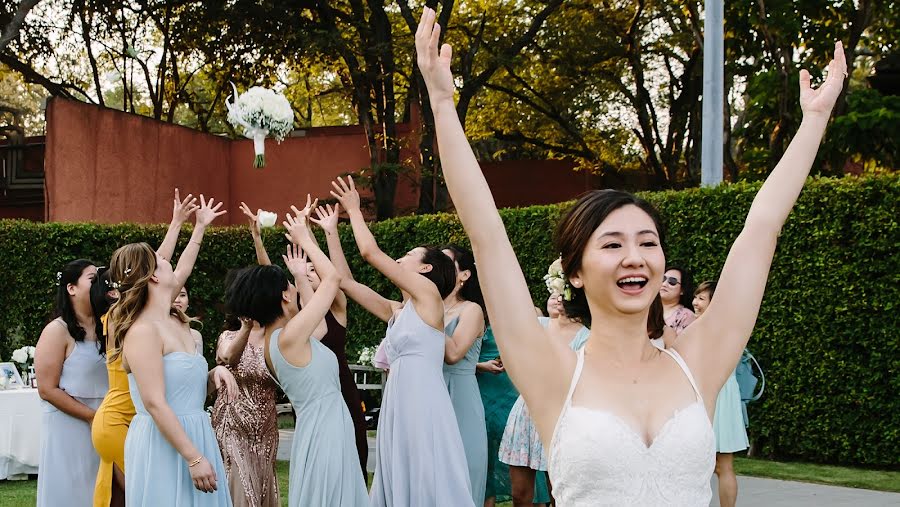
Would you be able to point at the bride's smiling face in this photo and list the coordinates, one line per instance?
(623, 262)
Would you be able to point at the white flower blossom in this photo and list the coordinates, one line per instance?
(20, 355)
(267, 219)
(367, 355)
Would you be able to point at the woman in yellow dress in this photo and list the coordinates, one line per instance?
(114, 415)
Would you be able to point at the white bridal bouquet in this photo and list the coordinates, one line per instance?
(260, 112)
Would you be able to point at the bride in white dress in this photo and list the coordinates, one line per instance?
(626, 423)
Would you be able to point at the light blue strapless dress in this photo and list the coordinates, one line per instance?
(324, 460)
(466, 398)
(155, 473)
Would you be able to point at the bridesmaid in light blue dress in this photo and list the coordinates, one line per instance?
(172, 457)
(71, 383)
(419, 456)
(465, 304)
(324, 466)
(157, 474)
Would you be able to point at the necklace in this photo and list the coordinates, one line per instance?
(447, 310)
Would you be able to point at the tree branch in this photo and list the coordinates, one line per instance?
(12, 29)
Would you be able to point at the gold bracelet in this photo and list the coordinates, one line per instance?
(195, 462)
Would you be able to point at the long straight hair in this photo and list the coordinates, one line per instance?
(65, 308)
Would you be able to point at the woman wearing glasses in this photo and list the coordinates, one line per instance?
(676, 293)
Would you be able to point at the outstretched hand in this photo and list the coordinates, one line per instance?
(307, 210)
(297, 228)
(295, 260)
(434, 64)
(208, 211)
(252, 218)
(346, 194)
(820, 101)
(183, 209)
(327, 217)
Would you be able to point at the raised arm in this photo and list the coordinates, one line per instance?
(523, 342)
(230, 349)
(469, 329)
(326, 217)
(423, 292)
(207, 212)
(143, 346)
(302, 326)
(262, 256)
(181, 211)
(713, 344)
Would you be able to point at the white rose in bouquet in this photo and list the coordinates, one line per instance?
(266, 219)
(31, 352)
(260, 112)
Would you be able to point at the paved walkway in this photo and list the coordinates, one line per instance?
(753, 491)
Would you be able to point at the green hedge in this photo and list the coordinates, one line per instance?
(827, 335)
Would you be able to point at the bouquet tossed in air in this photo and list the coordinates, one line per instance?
(260, 112)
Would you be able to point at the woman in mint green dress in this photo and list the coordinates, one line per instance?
(324, 466)
(728, 420)
(498, 395)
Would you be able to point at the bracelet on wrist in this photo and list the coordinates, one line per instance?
(195, 462)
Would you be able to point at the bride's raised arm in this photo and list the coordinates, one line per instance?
(713, 344)
(523, 342)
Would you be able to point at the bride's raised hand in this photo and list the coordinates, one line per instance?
(820, 101)
(434, 64)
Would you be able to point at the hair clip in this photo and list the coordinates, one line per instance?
(58, 276)
(127, 270)
(115, 285)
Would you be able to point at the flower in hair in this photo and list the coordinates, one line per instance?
(556, 280)
(58, 276)
(127, 270)
(115, 285)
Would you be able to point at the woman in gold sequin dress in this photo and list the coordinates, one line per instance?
(246, 427)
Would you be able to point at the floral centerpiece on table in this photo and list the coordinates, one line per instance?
(25, 357)
(260, 112)
(367, 356)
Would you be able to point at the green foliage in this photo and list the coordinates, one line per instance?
(826, 334)
(871, 127)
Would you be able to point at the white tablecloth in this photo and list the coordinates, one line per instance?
(20, 432)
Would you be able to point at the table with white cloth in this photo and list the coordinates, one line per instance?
(20, 432)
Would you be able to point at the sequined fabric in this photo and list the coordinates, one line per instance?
(247, 431)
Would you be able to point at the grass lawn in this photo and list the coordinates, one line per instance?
(23, 493)
(822, 474)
